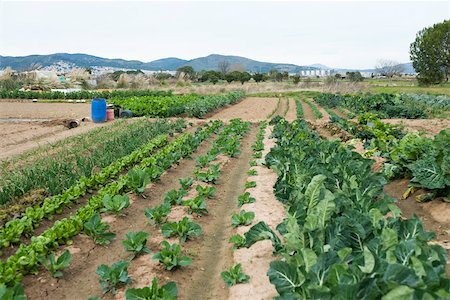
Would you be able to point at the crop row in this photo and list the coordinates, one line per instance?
(343, 237)
(316, 111)
(167, 106)
(26, 257)
(16, 94)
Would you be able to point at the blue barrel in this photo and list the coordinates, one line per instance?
(98, 109)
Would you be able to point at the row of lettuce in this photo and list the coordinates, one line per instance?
(343, 237)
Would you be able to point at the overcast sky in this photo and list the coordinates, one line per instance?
(338, 34)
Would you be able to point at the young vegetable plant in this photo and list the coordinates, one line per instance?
(169, 291)
(245, 198)
(138, 180)
(112, 277)
(174, 197)
(243, 218)
(252, 163)
(97, 229)
(234, 275)
(252, 172)
(196, 205)
(184, 229)
(12, 293)
(171, 256)
(250, 184)
(115, 204)
(136, 242)
(186, 182)
(257, 154)
(238, 241)
(211, 175)
(159, 213)
(206, 191)
(53, 265)
(204, 160)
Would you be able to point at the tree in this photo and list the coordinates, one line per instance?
(258, 77)
(185, 72)
(430, 53)
(162, 76)
(354, 76)
(244, 77)
(233, 76)
(296, 79)
(389, 68)
(224, 67)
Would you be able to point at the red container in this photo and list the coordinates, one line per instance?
(110, 114)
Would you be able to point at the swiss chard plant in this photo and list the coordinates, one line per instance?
(159, 213)
(234, 275)
(115, 204)
(184, 229)
(168, 291)
(98, 230)
(56, 265)
(171, 256)
(245, 199)
(243, 218)
(114, 276)
(135, 242)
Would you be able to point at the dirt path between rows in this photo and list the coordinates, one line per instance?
(292, 112)
(30, 110)
(326, 115)
(250, 109)
(308, 114)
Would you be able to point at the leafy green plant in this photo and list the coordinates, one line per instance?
(203, 160)
(252, 172)
(250, 184)
(135, 242)
(12, 293)
(53, 265)
(243, 218)
(206, 191)
(97, 229)
(211, 175)
(234, 275)
(245, 198)
(257, 154)
(115, 204)
(159, 213)
(238, 241)
(171, 256)
(184, 229)
(168, 291)
(174, 197)
(114, 276)
(138, 180)
(253, 163)
(186, 183)
(196, 205)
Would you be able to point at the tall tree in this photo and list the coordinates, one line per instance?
(430, 53)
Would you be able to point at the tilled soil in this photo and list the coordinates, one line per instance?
(249, 109)
(30, 110)
(308, 114)
(292, 112)
(429, 126)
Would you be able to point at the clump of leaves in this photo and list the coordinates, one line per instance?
(206, 191)
(135, 242)
(159, 213)
(252, 172)
(196, 205)
(250, 184)
(252, 163)
(243, 218)
(184, 229)
(174, 197)
(257, 154)
(204, 160)
(97, 229)
(171, 256)
(115, 204)
(245, 198)
(210, 175)
(169, 291)
(112, 277)
(238, 241)
(53, 265)
(12, 293)
(186, 182)
(138, 180)
(234, 275)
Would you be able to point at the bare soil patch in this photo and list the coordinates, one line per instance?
(430, 126)
(308, 114)
(292, 112)
(30, 110)
(250, 109)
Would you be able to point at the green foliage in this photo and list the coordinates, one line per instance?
(114, 276)
(168, 291)
(252, 172)
(53, 265)
(97, 229)
(171, 256)
(250, 184)
(184, 229)
(186, 182)
(115, 204)
(209, 176)
(138, 180)
(174, 197)
(430, 53)
(261, 231)
(234, 275)
(237, 240)
(196, 205)
(159, 213)
(314, 108)
(12, 293)
(245, 198)
(354, 76)
(206, 191)
(243, 218)
(135, 242)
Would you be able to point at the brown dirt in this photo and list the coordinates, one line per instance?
(30, 110)
(256, 259)
(435, 214)
(250, 109)
(292, 112)
(430, 126)
(308, 114)
(326, 116)
(339, 113)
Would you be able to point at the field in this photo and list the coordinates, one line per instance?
(299, 194)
